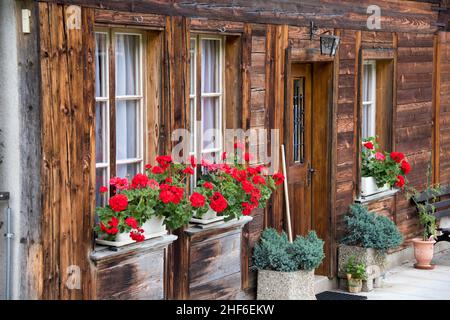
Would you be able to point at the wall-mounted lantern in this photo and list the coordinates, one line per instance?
(328, 43)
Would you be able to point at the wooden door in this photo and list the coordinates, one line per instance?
(298, 133)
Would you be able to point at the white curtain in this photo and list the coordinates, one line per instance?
(210, 84)
(127, 75)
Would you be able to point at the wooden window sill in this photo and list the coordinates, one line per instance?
(103, 253)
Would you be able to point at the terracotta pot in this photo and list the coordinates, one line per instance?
(423, 252)
(354, 285)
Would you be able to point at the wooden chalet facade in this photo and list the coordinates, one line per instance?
(266, 55)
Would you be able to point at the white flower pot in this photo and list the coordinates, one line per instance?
(209, 215)
(369, 187)
(154, 227)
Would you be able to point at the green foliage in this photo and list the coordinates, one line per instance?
(275, 252)
(427, 209)
(369, 230)
(356, 269)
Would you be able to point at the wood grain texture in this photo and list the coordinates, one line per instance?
(68, 171)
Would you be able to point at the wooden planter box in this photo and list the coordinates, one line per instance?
(211, 262)
(131, 272)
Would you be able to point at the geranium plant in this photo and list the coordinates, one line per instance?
(160, 192)
(234, 188)
(387, 168)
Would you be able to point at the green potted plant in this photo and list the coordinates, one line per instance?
(356, 273)
(381, 171)
(368, 236)
(285, 269)
(424, 246)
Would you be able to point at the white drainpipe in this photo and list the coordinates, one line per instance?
(4, 196)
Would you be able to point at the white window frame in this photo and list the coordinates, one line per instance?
(372, 104)
(140, 99)
(198, 38)
(193, 97)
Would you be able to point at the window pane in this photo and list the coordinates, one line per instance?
(365, 122)
(127, 130)
(100, 180)
(368, 83)
(210, 66)
(298, 119)
(193, 124)
(100, 132)
(210, 107)
(101, 61)
(127, 170)
(127, 64)
(192, 68)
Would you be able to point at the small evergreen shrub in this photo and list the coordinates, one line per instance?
(275, 252)
(369, 230)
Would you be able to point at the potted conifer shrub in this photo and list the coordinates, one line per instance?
(381, 171)
(368, 237)
(286, 270)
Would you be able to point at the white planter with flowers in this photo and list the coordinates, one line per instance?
(369, 187)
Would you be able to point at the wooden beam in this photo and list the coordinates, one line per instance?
(437, 107)
(397, 15)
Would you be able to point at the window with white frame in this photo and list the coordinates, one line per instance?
(207, 89)
(128, 103)
(369, 86)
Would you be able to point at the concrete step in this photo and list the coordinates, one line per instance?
(323, 283)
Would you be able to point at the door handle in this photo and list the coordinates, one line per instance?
(310, 172)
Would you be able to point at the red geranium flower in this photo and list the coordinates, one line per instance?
(188, 170)
(368, 145)
(405, 166)
(148, 166)
(224, 155)
(119, 183)
(193, 161)
(279, 178)
(247, 208)
(208, 185)
(259, 180)
(197, 200)
(400, 181)
(118, 203)
(103, 189)
(137, 236)
(252, 171)
(218, 202)
(152, 183)
(239, 145)
(139, 181)
(172, 194)
(397, 156)
(164, 161)
(239, 175)
(157, 170)
(130, 221)
(248, 157)
(247, 186)
(379, 156)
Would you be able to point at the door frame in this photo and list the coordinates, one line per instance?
(329, 233)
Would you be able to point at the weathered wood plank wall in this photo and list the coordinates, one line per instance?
(68, 170)
(443, 109)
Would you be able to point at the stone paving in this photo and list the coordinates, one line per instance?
(407, 283)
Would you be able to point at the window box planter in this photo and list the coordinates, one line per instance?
(369, 187)
(276, 285)
(208, 218)
(153, 228)
(375, 261)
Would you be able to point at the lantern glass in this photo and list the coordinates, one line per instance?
(329, 44)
